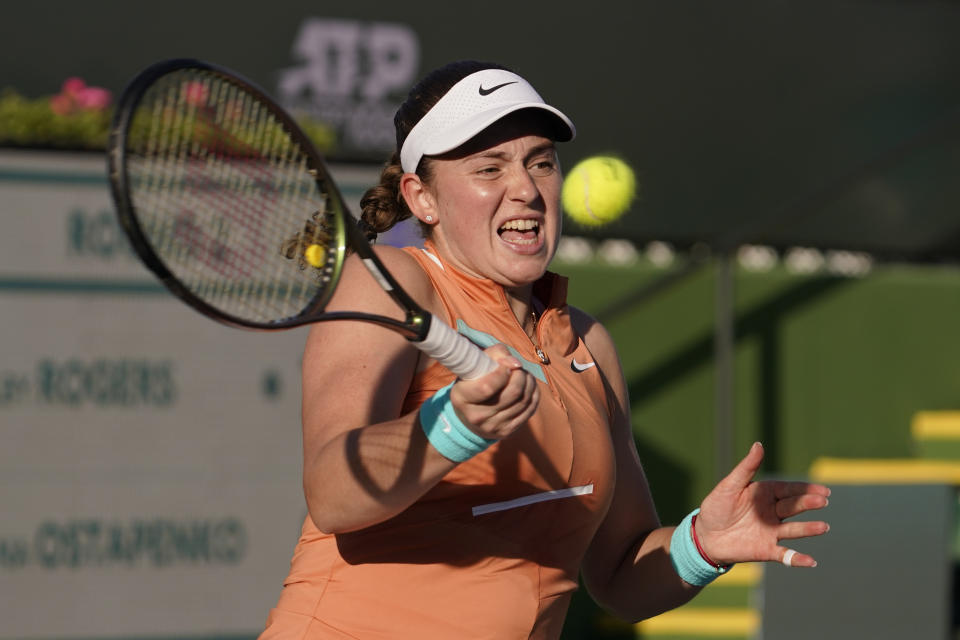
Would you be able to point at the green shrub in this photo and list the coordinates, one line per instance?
(33, 123)
(78, 119)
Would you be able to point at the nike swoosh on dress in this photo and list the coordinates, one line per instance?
(581, 367)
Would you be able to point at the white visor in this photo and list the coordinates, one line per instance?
(469, 107)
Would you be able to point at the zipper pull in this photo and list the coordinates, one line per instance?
(540, 354)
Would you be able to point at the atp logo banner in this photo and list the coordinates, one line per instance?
(353, 77)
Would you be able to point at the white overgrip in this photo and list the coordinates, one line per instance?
(455, 352)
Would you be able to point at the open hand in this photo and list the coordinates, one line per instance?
(742, 520)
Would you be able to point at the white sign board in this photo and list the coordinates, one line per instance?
(149, 457)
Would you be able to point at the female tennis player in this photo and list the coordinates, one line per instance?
(445, 508)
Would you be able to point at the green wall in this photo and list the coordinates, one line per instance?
(825, 365)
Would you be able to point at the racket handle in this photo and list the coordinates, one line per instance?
(455, 352)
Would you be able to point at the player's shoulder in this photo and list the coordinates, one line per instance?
(402, 265)
(585, 324)
(407, 271)
(594, 335)
(395, 257)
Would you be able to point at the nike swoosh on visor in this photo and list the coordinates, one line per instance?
(486, 92)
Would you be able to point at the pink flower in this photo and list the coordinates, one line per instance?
(196, 93)
(94, 98)
(76, 95)
(73, 87)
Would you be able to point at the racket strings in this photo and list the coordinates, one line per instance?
(318, 230)
(220, 186)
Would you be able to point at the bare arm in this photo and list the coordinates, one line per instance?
(363, 461)
(628, 568)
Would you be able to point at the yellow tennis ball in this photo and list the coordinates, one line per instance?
(314, 255)
(598, 190)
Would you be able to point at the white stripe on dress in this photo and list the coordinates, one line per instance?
(556, 494)
(434, 258)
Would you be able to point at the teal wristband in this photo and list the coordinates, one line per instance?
(687, 560)
(446, 432)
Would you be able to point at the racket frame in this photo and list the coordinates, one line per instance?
(416, 323)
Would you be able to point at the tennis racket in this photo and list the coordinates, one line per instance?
(230, 205)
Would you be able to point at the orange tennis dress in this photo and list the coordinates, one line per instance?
(494, 550)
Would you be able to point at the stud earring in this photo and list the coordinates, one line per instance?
(429, 218)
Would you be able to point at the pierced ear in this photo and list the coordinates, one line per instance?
(418, 197)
